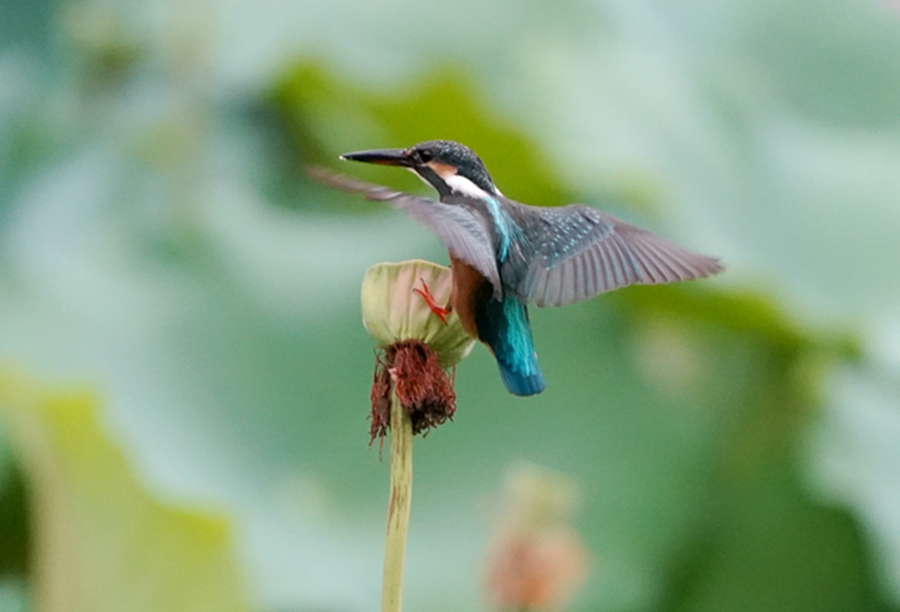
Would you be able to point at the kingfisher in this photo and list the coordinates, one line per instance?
(505, 255)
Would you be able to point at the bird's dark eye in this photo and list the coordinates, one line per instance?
(425, 156)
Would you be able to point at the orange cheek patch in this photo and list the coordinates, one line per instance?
(442, 170)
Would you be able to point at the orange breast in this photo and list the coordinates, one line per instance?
(470, 289)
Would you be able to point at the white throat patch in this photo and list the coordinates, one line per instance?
(462, 185)
(459, 183)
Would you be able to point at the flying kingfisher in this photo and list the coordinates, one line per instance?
(504, 254)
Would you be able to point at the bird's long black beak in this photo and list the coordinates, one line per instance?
(387, 157)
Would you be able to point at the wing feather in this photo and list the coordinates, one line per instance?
(580, 252)
(678, 269)
(640, 265)
(457, 227)
(669, 269)
(569, 278)
(621, 263)
(607, 265)
(654, 270)
(587, 280)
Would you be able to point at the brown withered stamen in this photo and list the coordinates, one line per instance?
(412, 368)
(381, 399)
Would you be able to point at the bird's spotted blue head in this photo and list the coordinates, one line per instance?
(447, 166)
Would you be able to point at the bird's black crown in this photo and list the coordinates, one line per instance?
(461, 157)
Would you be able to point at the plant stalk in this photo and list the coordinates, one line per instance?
(398, 507)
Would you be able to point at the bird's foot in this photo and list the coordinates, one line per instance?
(440, 311)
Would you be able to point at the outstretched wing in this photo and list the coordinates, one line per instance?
(579, 252)
(456, 227)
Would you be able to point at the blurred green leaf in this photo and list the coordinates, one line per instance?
(100, 542)
(767, 546)
(15, 534)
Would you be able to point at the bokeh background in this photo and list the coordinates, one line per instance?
(184, 379)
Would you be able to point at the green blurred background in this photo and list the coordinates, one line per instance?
(184, 378)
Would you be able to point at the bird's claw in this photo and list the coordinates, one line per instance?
(440, 311)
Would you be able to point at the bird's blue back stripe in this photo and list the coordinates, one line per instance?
(502, 223)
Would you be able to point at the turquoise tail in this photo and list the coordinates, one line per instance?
(504, 326)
